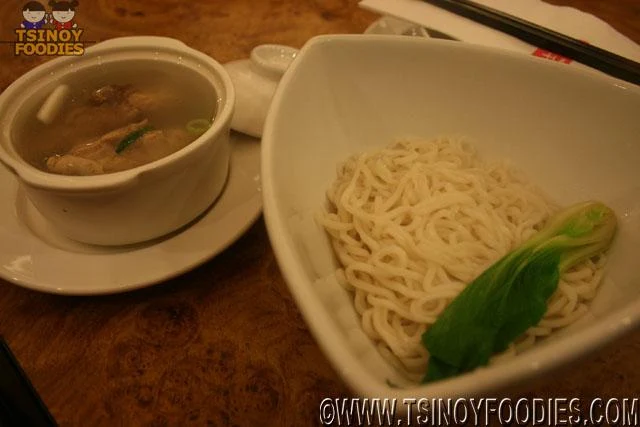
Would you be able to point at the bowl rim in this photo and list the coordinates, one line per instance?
(11, 100)
(531, 364)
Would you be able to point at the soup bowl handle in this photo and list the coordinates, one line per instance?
(76, 184)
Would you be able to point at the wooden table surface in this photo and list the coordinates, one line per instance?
(223, 344)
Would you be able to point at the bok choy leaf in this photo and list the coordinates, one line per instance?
(511, 295)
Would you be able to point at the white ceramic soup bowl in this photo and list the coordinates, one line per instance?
(573, 132)
(138, 204)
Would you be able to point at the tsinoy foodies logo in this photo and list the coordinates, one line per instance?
(49, 33)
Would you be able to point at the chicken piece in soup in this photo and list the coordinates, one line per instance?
(112, 128)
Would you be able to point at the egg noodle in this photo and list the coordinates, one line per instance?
(412, 224)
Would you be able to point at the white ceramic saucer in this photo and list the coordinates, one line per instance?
(35, 255)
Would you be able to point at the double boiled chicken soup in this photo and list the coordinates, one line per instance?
(110, 118)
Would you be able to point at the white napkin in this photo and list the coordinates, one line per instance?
(565, 20)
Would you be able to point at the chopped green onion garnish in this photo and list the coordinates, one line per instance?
(131, 138)
(198, 126)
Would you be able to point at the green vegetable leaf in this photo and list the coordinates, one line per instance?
(131, 138)
(511, 295)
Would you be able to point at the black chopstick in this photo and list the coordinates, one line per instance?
(20, 404)
(544, 38)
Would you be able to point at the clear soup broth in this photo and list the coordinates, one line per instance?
(114, 118)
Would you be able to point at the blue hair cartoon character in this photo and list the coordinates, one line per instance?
(34, 16)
